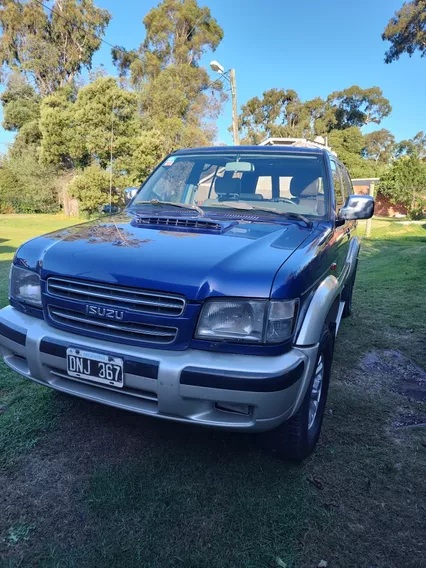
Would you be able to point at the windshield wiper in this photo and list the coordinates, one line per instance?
(182, 205)
(247, 207)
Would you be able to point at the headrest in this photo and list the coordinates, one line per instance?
(304, 187)
(224, 185)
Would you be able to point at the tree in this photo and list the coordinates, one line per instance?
(281, 113)
(415, 146)
(173, 89)
(178, 32)
(50, 47)
(379, 146)
(405, 182)
(406, 31)
(357, 107)
(20, 103)
(81, 130)
(57, 128)
(348, 144)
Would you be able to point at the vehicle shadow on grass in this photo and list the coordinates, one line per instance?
(139, 491)
(6, 248)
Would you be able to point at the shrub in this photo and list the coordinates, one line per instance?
(26, 186)
(91, 188)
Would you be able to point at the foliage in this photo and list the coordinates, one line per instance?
(57, 127)
(50, 47)
(91, 187)
(103, 112)
(348, 144)
(144, 153)
(281, 113)
(415, 146)
(165, 70)
(26, 186)
(405, 182)
(357, 107)
(20, 103)
(379, 146)
(406, 31)
(80, 131)
(178, 32)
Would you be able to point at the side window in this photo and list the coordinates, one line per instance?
(338, 186)
(347, 184)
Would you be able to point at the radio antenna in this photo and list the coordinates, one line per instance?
(110, 155)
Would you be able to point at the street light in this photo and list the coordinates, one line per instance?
(218, 68)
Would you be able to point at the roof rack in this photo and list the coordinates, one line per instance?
(318, 142)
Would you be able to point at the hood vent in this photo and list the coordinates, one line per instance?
(182, 223)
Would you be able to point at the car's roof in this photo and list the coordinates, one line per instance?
(257, 149)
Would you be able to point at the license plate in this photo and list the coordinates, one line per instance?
(95, 367)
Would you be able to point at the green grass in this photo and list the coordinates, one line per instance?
(136, 492)
(26, 411)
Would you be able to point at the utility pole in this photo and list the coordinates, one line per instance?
(233, 82)
(230, 76)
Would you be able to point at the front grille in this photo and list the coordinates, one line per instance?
(129, 298)
(77, 321)
(183, 223)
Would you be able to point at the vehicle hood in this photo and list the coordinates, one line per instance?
(241, 259)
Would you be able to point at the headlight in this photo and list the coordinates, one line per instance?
(25, 286)
(254, 321)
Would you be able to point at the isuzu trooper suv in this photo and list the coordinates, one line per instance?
(213, 298)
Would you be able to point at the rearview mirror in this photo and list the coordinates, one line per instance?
(239, 167)
(357, 207)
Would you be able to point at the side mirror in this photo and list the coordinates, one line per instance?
(129, 194)
(357, 207)
(110, 209)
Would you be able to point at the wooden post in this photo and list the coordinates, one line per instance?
(368, 225)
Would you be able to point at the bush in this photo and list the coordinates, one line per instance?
(26, 186)
(91, 188)
(417, 212)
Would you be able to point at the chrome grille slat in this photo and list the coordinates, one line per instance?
(127, 330)
(137, 300)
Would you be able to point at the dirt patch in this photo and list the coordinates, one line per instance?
(407, 378)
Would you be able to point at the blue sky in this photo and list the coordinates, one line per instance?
(310, 46)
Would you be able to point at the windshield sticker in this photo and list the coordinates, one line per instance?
(169, 162)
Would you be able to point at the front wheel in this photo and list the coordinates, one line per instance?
(296, 438)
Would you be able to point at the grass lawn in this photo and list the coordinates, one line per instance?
(89, 486)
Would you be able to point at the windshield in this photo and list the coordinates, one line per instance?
(284, 183)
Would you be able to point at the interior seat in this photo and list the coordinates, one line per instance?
(305, 192)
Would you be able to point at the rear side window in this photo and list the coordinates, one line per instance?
(338, 186)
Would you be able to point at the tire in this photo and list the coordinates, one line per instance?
(296, 438)
(348, 293)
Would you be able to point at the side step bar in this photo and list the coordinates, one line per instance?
(339, 315)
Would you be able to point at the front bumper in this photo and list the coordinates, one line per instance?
(185, 386)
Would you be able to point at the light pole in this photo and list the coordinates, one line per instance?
(230, 76)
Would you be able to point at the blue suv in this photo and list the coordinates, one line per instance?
(213, 298)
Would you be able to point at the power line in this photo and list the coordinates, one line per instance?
(116, 47)
(87, 32)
